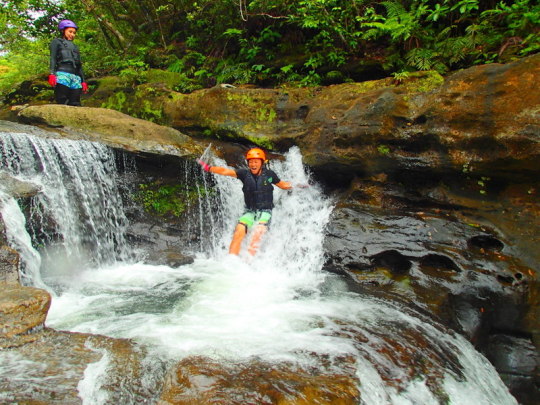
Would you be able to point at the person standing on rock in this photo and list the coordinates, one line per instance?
(258, 183)
(66, 73)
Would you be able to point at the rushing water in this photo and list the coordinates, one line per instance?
(278, 306)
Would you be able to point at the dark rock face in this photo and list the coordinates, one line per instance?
(470, 276)
(517, 361)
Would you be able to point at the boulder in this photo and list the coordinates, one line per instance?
(22, 309)
(205, 381)
(111, 128)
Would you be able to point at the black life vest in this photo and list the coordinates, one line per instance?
(258, 190)
(68, 57)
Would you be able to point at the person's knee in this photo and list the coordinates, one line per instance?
(240, 231)
(260, 229)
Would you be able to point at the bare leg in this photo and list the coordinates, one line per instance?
(238, 237)
(258, 233)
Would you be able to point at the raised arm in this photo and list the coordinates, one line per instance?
(224, 171)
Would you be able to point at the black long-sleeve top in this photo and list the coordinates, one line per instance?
(65, 57)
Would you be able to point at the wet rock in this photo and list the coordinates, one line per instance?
(485, 242)
(22, 309)
(512, 355)
(41, 365)
(204, 381)
(467, 312)
(51, 367)
(437, 262)
(393, 260)
(433, 251)
(9, 265)
(17, 188)
(518, 363)
(169, 257)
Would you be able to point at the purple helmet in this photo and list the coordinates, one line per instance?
(67, 24)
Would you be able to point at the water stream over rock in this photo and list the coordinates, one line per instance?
(232, 330)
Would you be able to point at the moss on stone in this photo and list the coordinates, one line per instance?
(262, 141)
(169, 79)
(166, 199)
(261, 109)
(422, 82)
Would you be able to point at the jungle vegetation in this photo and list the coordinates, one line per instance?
(268, 42)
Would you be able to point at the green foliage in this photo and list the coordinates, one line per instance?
(15, 67)
(116, 101)
(383, 149)
(166, 200)
(277, 41)
(239, 73)
(149, 113)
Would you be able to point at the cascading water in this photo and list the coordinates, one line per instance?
(77, 217)
(278, 306)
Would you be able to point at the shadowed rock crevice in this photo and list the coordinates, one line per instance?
(485, 242)
(393, 260)
(439, 262)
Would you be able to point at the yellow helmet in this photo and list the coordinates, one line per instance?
(256, 153)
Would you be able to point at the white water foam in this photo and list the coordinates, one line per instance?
(95, 376)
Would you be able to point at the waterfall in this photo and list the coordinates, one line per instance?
(19, 239)
(277, 307)
(77, 218)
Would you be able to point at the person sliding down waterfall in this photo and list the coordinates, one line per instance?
(258, 197)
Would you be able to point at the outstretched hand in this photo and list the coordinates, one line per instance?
(206, 167)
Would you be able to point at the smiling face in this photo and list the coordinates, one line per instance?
(255, 165)
(69, 33)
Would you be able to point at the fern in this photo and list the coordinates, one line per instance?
(394, 9)
(239, 73)
(425, 59)
(401, 24)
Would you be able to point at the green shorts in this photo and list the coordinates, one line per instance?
(251, 217)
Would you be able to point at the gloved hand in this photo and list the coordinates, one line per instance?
(84, 87)
(52, 80)
(206, 167)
